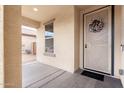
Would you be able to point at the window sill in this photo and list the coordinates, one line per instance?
(49, 54)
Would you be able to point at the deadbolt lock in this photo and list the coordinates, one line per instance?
(85, 45)
(122, 47)
(121, 71)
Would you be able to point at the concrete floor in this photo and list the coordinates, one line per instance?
(28, 58)
(37, 75)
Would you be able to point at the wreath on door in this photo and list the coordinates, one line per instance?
(96, 25)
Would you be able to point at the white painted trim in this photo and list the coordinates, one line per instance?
(81, 41)
(110, 38)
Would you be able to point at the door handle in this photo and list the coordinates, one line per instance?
(122, 47)
(85, 45)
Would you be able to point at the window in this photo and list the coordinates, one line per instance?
(49, 39)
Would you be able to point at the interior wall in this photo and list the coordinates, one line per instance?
(117, 41)
(63, 41)
(1, 47)
(12, 46)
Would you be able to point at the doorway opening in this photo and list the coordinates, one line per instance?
(28, 44)
(28, 52)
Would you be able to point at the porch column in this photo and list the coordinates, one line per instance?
(12, 46)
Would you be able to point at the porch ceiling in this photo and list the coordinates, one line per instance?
(45, 12)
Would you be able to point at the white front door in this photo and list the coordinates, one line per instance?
(97, 40)
(122, 45)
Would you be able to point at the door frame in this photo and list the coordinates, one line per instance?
(112, 39)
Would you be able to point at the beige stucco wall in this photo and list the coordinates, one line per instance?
(76, 54)
(76, 38)
(122, 42)
(66, 43)
(117, 56)
(1, 46)
(117, 41)
(30, 23)
(63, 41)
(12, 46)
